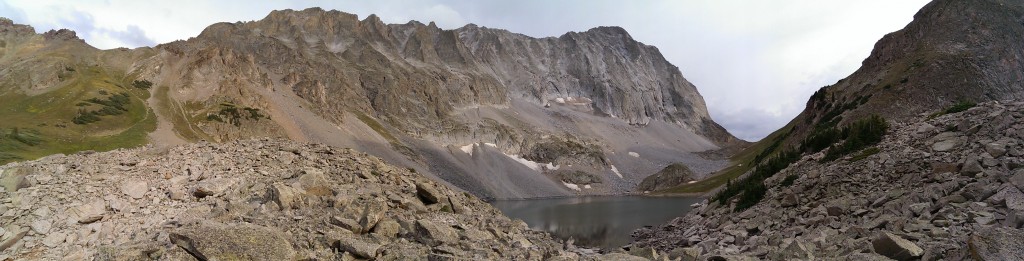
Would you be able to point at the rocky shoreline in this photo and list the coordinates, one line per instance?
(252, 200)
(944, 188)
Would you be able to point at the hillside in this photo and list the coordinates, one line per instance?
(887, 159)
(953, 52)
(251, 200)
(942, 188)
(499, 114)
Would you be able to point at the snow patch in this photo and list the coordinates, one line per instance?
(491, 144)
(616, 171)
(571, 186)
(536, 166)
(586, 186)
(560, 100)
(634, 154)
(691, 182)
(468, 149)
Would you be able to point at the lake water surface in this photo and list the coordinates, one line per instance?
(596, 221)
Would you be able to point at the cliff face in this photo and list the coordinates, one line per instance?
(418, 74)
(490, 111)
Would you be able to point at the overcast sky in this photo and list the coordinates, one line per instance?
(755, 62)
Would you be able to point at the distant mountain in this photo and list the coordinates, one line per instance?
(500, 114)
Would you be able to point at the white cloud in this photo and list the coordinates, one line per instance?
(753, 61)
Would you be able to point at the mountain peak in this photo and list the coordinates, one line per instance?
(8, 26)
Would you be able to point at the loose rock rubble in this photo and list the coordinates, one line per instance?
(943, 188)
(250, 200)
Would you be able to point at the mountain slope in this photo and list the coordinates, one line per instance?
(499, 114)
(952, 52)
(875, 164)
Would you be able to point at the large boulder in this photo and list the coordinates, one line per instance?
(997, 243)
(432, 234)
(896, 247)
(213, 241)
(214, 186)
(672, 175)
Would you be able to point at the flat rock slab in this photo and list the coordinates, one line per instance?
(212, 241)
(997, 243)
(896, 247)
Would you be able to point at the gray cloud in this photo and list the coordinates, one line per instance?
(85, 25)
(751, 124)
(13, 13)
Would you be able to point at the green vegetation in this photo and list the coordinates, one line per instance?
(856, 136)
(383, 132)
(40, 125)
(744, 161)
(865, 153)
(958, 107)
(377, 127)
(182, 123)
(112, 106)
(788, 181)
(234, 115)
(142, 84)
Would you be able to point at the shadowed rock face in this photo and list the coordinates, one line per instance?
(419, 74)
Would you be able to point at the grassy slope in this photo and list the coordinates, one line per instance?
(741, 163)
(47, 117)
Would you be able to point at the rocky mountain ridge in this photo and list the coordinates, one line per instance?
(414, 94)
(953, 51)
(943, 188)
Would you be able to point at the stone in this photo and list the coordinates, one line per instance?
(685, 254)
(12, 237)
(795, 250)
(428, 193)
(373, 211)
(996, 243)
(89, 213)
(1018, 179)
(54, 239)
(945, 145)
(620, 257)
(285, 196)
(789, 200)
(896, 247)
(213, 241)
(834, 210)
(135, 189)
(971, 166)
(41, 226)
(645, 252)
(388, 228)
(212, 187)
(358, 247)
(432, 234)
(995, 149)
(347, 223)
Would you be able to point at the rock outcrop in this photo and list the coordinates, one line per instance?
(672, 175)
(909, 200)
